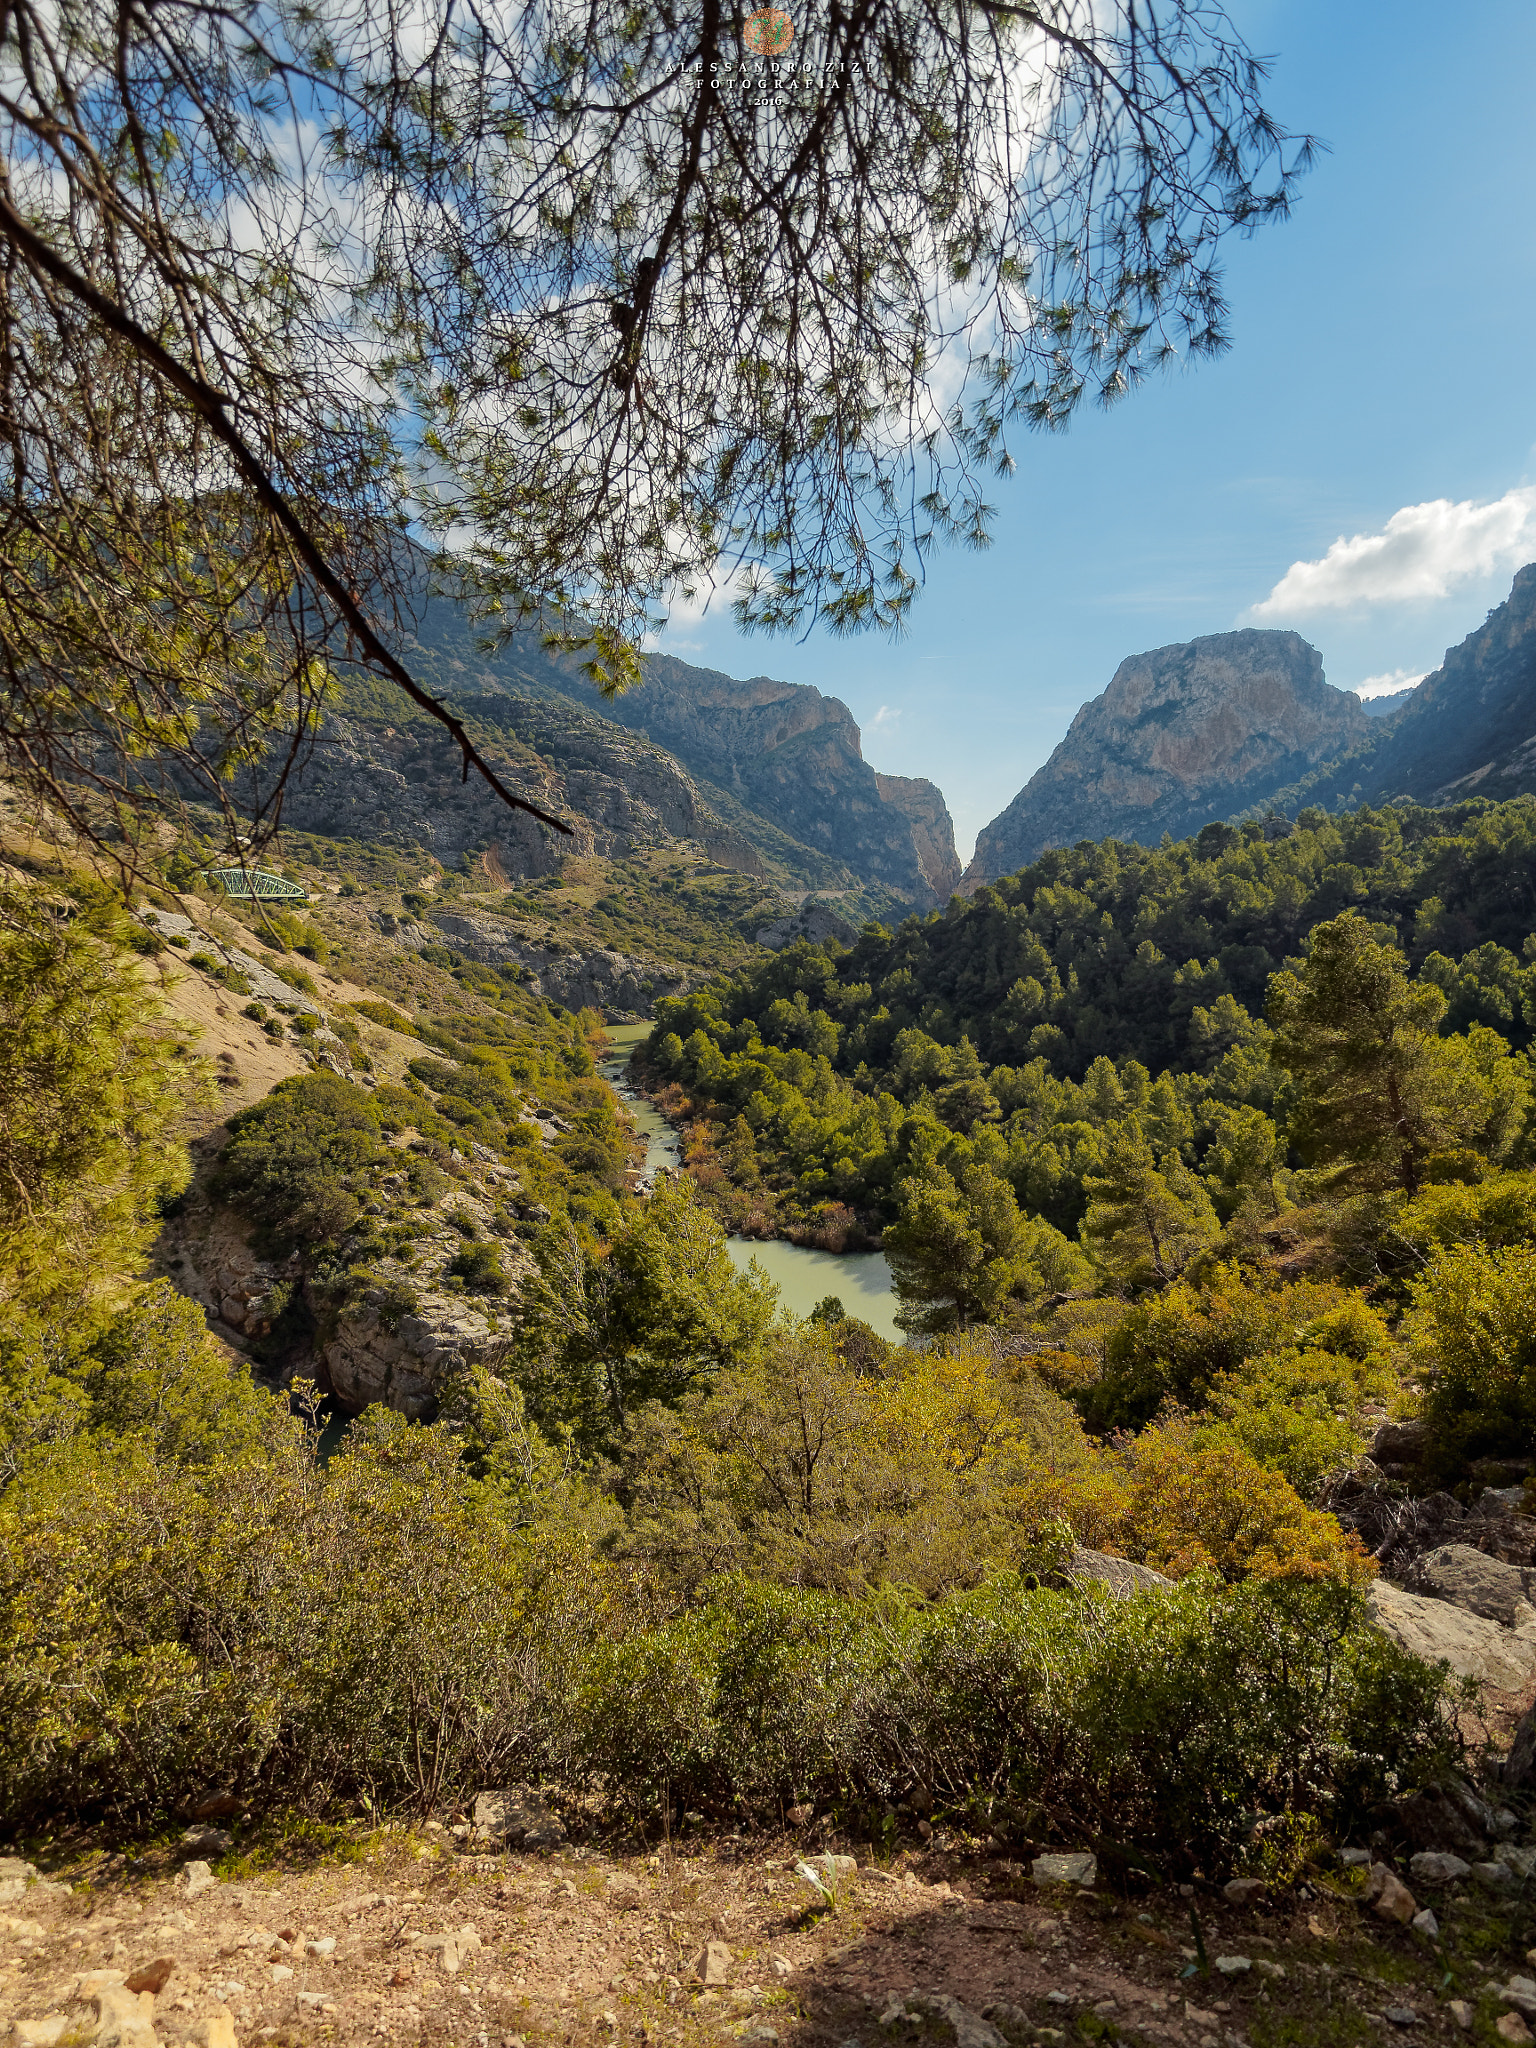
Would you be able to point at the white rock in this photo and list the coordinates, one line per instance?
(1079, 1868)
(1234, 1966)
(1435, 1630)
(125, 2019)
(39, 2033)
(1425, 1923)
(1435, 1866)
(195, 1877)
(971, 2030)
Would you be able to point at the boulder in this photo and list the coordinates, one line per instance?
(46, 2032)
(1432, 1866)
(1081, 1868)
(1451, 1816)
(1436, 1631)
(1400, 1443)
(125, 2019)
(1117, 1574)
(712, 1964)
(971, 2030)
(520, 1817)
(1388, 1897)
(1482, 1585)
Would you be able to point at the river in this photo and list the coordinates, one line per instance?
(860, 1280)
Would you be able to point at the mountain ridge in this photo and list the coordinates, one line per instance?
(764, 756)
(1196, 730)
(1468, 729)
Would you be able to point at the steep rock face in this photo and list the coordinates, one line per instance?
(815, 921)
(1182, 735)
(933, 831)
(758, 774)
(620, 792)
(1467, 730)
(795, 757)
(601, 979)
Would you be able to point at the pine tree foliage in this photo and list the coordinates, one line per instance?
(1379, 1090)
(93, 1077)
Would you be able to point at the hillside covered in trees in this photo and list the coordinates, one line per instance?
(1106, 995)
(1202, 1170)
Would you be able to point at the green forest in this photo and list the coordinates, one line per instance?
(1193, 1165)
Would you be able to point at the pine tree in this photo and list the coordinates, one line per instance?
(957, 1250)
(1147, 1217)
(1379, 1089)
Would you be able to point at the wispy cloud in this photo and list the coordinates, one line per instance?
(1423, 551)
(1389, 684)
(885, 718)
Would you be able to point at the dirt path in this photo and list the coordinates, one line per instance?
(412, 1943)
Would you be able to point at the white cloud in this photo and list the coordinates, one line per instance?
(1422, 552)
(885, 718)
(1389, 684)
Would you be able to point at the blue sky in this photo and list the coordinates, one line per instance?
(1382, 361)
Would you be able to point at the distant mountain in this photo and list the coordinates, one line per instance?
(1388, 706)
(1467, 730)
(779, 766)
(1183, 734)
(764, 777)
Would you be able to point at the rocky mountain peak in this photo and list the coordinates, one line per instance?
(1183, 734)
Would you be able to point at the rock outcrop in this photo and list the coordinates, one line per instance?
(1467, 730)
(1473, 1647)
(780, 766)
(815, 921)
(600, 979)
(796, 757)
(1183, 735)
(405, 785)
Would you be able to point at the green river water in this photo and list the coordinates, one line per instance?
(861, 1280)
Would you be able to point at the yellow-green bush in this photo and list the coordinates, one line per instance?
(1473, 1328)
(1177, 1345)
(1215, 1507)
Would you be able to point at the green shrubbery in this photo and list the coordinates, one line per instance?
(383, 1625)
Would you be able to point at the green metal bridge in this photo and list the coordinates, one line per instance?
(256, 882)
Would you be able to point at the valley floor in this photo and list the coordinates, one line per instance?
(587, 1947)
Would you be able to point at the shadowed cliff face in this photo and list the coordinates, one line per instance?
(786, 754)
(1467, 730)
(1182, 735)
(794, 756)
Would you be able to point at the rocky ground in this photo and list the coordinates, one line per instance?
(395, 1935)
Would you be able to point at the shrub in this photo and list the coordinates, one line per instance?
(289, 1156)
(479, 1267)
(1295, 1411)
(390, 1018)
(1176, 1346)
(1217, 1508)
(384, 1624)
(1473, 1324)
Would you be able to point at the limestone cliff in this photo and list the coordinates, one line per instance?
(1183, 734)
(366, 781)
(777, 764)
(1467, 730)
(933, 831)
(795, 756)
